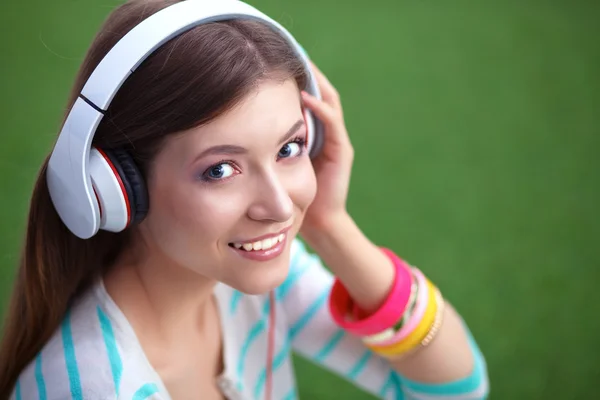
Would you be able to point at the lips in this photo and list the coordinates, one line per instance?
(264, 244)
(262, 248)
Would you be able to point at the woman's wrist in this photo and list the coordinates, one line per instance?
(381, 329)
(325, 229)
(360, 265)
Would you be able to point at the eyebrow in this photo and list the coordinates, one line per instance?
(234, 149)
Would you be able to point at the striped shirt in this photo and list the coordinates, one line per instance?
(96, 355)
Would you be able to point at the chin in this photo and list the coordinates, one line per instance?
(261, 279)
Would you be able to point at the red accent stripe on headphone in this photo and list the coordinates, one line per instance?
(116, 173)
(98, 200)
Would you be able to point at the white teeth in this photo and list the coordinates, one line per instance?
(264, 244)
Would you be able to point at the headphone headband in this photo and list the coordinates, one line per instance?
(124, 58)
(68, 174)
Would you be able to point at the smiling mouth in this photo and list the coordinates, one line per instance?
(264, 244)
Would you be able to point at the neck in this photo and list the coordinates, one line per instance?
(159, 297)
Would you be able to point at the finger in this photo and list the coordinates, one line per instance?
(331, 119)
(323, 111)
(328, 92)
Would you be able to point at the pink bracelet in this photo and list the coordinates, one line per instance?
(340, 303)
(415, 319)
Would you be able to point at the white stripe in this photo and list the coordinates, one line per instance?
(90, 349)
(28, 384)
(137, 370)
(313, 282)
(374, 375)
(54, 369)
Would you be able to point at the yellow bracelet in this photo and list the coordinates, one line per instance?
(437, 324)
(420, 332)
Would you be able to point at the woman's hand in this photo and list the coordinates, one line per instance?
(334, 164)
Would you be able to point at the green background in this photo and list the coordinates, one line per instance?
(475, 126)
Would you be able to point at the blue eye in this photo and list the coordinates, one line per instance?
(219, 171)
(291, 149)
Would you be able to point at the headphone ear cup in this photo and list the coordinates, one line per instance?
(110, 191)
(133, 182)
(315, 128)
(315, 133)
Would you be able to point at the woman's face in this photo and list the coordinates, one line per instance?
(227, 198)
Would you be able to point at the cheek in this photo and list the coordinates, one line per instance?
(303, 184)
(188, 222)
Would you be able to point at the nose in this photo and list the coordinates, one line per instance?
(272, 201)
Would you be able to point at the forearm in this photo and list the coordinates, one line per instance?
(368, 274)
(365, 271)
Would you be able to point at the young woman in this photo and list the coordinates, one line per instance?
(208, 293)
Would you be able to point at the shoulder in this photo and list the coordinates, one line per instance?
(301, 258)
(70, 365)
(305, 265)
(308, 280)
(83, 359)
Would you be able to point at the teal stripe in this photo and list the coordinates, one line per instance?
(291, 395)
(253, 334)
(296, 271)
(70, 359)
(145, 391)
(458, 387)
(360, 365)
(392, 383)
(39, 377)
(386, 385)
(294, 331)
(397, 385)
(309, 314)
(18, 394)
(235, 301)
(330, 345)
(277, 363)
(116, 365)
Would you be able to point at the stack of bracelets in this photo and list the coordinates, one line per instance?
(409, 318)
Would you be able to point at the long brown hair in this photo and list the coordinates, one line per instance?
(189, 81)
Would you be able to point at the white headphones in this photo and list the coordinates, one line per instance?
(95, 189)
